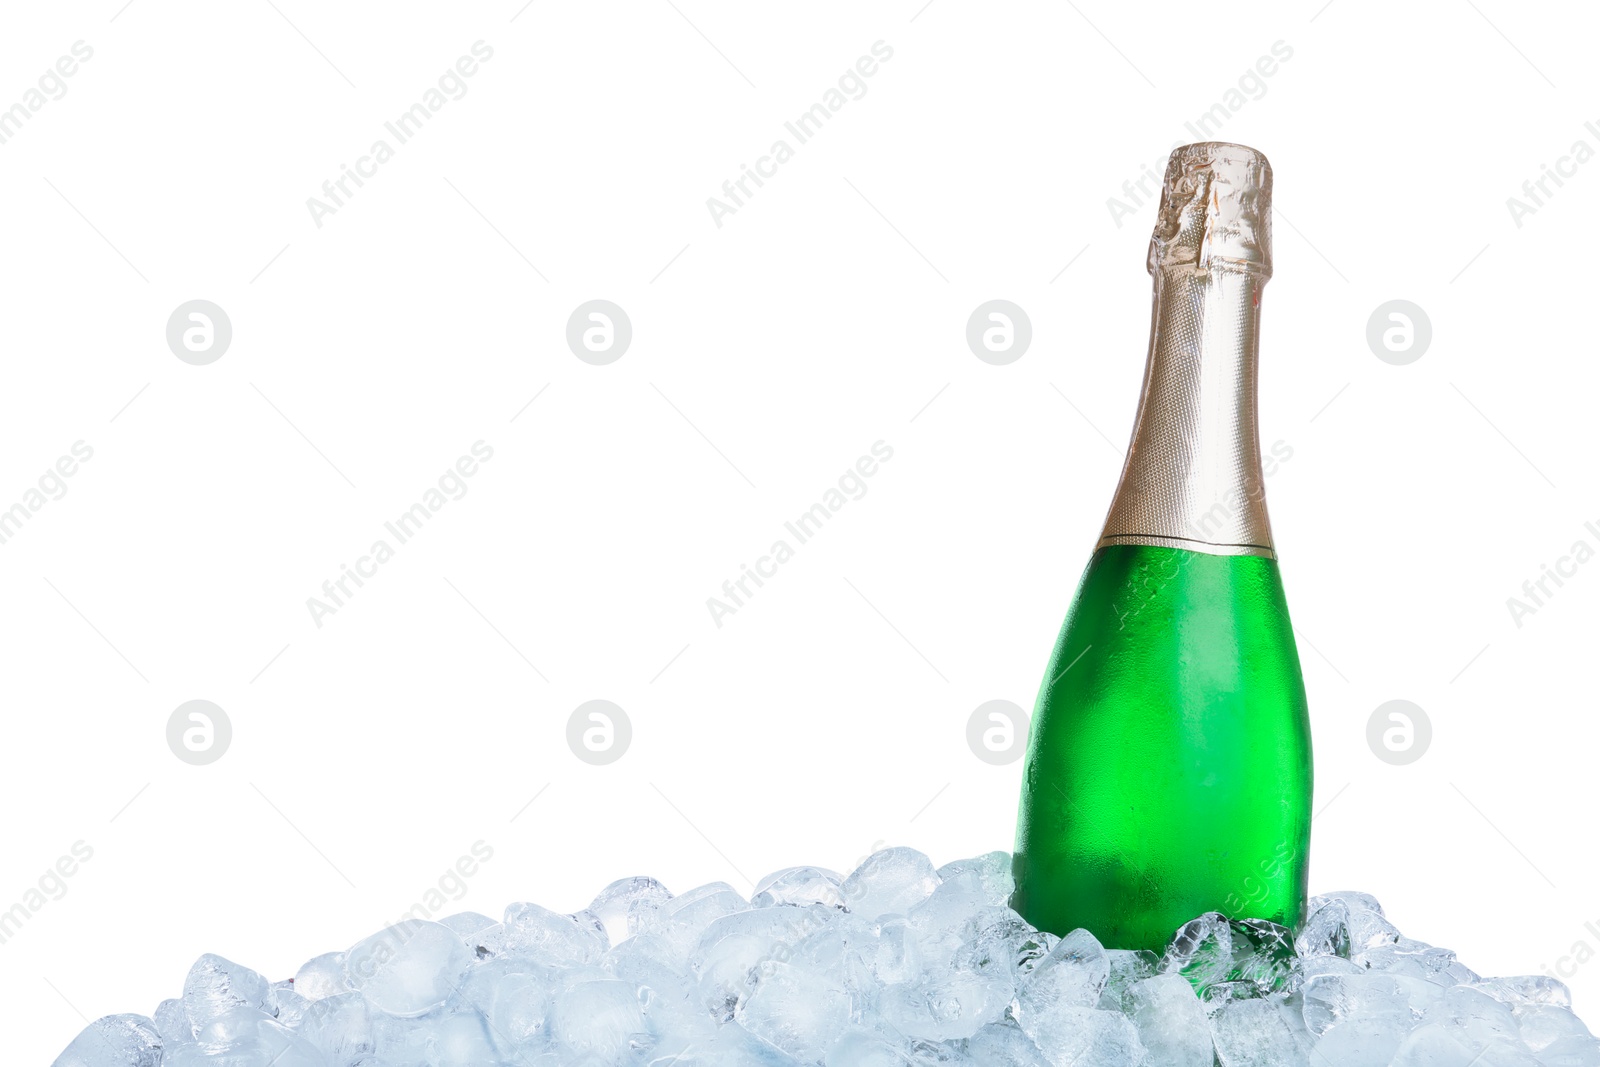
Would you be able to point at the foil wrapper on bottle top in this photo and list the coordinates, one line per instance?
(1216, 210)
(1193, 478)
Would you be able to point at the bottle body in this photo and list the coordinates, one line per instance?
(1169, 763)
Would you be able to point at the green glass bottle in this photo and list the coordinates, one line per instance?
(1169, 763)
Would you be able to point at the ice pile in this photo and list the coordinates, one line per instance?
(898, 964)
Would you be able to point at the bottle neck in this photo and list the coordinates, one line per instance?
(1193, 478)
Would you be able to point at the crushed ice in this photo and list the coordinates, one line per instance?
(897, 965)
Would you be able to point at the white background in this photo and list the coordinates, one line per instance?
(828, 715)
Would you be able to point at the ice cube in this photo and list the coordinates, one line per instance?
(1003, 1044)
(518, 1011)
(897, 953)
(681, 921)
(1254, 1033)
(475, 991)
(1232, 959)
(951, 917)
(600, 1020)
(1355, 928)
(889, 882)
(993, 873)
(469, 925)
(276, 1045)
(1436, 1045)
(623, 905)
(799, 886)
(1440, 964)
(340, 1026)
(846, 949)
(591, 922)
(549, 937)
(1171, 1021)
(1537, 1024)
(1072, 1036)
(1377, 1009)
(1473, 1017)
(1527, 989)
(648, 960)
(1074, 973)
(1125, 967)
(767, 927)
(729, 973)
(488, 943)
(1001, 937)
(673, 1007)
(1201, 951)
(1372, 938)
(1405, 955)
(231, 1028)
(725, 1046)
(115, 1041)
(946, 1006)
(1458, 974)
(864, 1048)
(409, 968)
(461, 1040)
(173, 1022)
(1360, 1043)
(1326, 932)
(1263, 955)
(1571, 1051)
(216, 986)
(322, 976)
(401, 1042)
(1351, 900)
(799, 1011)
(291, 1006)
(734, 948)
(1312, 966)
(710, 890)
(251, 1040)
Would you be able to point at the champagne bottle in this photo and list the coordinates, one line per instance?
(1169, 768)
